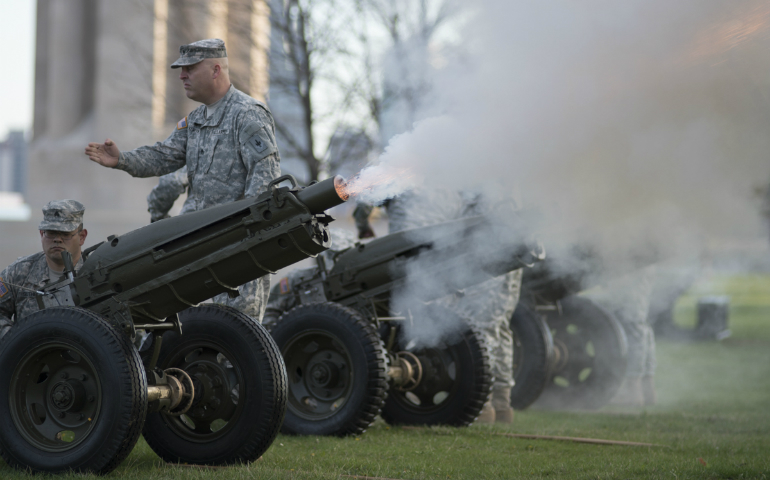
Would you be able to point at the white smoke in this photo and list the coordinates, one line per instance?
(604, 111)
(629, 125)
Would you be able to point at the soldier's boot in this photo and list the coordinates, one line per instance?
(501, 400)
(630, 393)
(487, 415)
(648, 390)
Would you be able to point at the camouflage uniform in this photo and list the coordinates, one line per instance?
(20, 281)
(283, 297)
(164, 194)
(229, 156)
(628, 298)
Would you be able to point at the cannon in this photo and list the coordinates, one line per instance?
(210, 389)
(340, 327)
(569, 352)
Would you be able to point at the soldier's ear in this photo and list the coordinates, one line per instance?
(83, 234)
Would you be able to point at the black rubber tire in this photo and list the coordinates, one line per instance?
(113, 393)
(595, 364)
(457, 380)
(337, 344)
(224, 351)
(532, 356)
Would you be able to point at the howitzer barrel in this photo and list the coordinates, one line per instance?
(438, 260)
(168, 266)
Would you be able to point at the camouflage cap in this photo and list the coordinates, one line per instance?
(196, 52)
(62, 215)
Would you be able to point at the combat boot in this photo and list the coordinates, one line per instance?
(648, 390)
(487, 415)
(501, 400)
(630, 393)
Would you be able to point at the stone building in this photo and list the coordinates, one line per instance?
(102, 70)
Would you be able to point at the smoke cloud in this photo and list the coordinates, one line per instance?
(603, 111)
(630, 126)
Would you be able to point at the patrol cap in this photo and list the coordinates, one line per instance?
(196, 52)
(62, 215)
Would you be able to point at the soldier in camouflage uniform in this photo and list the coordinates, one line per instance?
(227, 144)
(283, 297)
(61, 230)
(628, 298)
(489, 305)
(164, 194)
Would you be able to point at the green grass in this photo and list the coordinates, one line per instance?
(713, 406)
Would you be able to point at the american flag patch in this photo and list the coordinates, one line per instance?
(4, 289)
(283, 286)
(181, 124)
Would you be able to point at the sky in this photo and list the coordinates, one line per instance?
(17, 34)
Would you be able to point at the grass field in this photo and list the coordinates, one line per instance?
(712, 422)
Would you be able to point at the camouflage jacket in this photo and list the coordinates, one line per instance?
(164, 194)
(229, 156)
(18, 283)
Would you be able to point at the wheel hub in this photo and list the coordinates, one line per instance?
(324, 374)
(68, 396)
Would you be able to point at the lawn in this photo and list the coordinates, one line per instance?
(712, 421)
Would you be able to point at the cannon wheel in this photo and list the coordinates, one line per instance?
(532, 356)
(240, 390)
(456, 382)
(74, 393)
(336, 367)
(589, 356)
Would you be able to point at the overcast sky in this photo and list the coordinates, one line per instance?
(17, 35)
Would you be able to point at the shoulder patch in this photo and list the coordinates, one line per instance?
(181, 124)
(4, 289)
(284, 287)
(261, 142)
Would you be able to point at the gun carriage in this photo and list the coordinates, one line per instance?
(211, 387)
(344, 344)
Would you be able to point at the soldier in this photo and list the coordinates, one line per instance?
(283, 297)
(228, 145)
(489, 305)
(628, 298)
(164, 194)
(61, 230)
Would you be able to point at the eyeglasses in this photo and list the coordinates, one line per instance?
(51, 234)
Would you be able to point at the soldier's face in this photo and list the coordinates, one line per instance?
(197, 80)
(54, 243)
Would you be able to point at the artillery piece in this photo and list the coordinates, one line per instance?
(340, 328)
(568, 351)
(212, 390)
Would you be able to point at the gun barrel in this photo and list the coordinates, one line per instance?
(440, 259)
(168, 266)
(324, 195)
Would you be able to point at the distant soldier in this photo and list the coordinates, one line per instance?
(227, 144)
(61, 230)
(283, 296)
(628, 298)
(164, 194)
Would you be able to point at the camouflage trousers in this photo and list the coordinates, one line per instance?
(628, 298)
(489, 307)
(253, 298)
(641, 349)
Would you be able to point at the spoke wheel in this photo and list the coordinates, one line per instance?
(240, 390)
(589, 356)
(455, 384)
(532, 356)
(76, 398)
(336, 370)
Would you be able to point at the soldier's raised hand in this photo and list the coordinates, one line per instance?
(106, 153)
